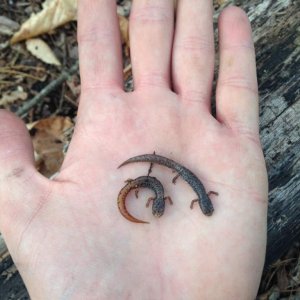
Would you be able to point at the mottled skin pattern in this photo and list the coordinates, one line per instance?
(158, 206)
(203, 199)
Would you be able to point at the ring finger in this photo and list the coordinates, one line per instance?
(193, 51)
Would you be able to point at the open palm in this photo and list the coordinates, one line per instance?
(67, 236)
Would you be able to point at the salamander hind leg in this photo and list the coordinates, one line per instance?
(150, 169)
(212, 193)
(151, 166)
(192, 203)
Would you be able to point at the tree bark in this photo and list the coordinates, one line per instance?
(277, 39)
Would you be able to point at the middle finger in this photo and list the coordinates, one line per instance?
(151, 33)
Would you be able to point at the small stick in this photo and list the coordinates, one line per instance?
(45, 91)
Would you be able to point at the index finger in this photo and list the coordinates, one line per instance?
(99, 44)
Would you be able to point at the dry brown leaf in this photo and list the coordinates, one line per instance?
(220, 2)
(12, 96)
(54, 13)
(42, 51)
(48, 137)
(124, 25)
(127, 72)
(74, 86)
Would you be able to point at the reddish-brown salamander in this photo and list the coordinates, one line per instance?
(158, 205)
(203, 199)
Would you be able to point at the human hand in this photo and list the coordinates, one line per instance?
(67, 236)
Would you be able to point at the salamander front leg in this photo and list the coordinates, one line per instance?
(149, 200)
(169, 199)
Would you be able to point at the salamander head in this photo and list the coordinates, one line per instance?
(158, 207)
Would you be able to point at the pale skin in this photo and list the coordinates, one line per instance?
(66, 236)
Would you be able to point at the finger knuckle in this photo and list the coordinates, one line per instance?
(196, 44)
(150, 14)
(239, 82)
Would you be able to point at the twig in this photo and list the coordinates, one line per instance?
(13, 72)
(71, 100)
(45, 91)
(18, 67)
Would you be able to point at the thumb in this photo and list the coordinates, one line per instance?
(16, 152)
(19, 181)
